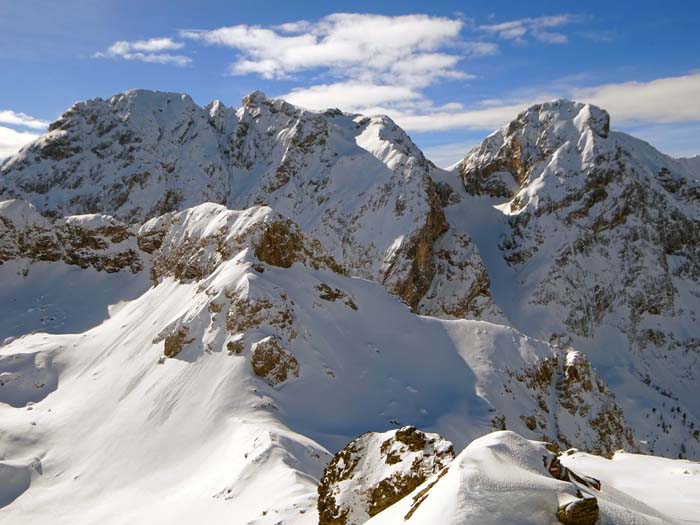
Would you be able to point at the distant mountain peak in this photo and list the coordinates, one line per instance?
(556, 116)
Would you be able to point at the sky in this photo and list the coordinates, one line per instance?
(447, 72)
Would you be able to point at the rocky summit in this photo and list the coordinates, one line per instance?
(204, 307)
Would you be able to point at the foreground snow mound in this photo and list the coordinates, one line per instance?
(669, 487)
(376, 470)
(357, 184)
(504, 478)
(594, 243)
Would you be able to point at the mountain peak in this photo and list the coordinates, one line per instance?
(557, 115)
(573, 134)
(148, 98)
(255, 98)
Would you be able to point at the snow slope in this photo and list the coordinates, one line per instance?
(236, 373)
(669, 487)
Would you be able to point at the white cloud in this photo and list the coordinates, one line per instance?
(404, 50)
(478, 49)
(7, 116)
(155, 45)
(550, 37)
(486, 118)
(152, 50)
(11, 141)
(664, 100)
(351, 96)
(538, 28)
(660, 101)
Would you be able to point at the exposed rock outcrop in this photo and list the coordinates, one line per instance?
(97, 241)
(581, 511)
(376, 470)
(272, 362)
(570, 394)
(191, 245)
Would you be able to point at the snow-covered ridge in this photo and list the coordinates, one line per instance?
(249, 333)
(357, 184)
(191, 244)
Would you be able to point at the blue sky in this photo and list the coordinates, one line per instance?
(448, 72)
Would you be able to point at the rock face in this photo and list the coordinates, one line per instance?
(579, 396)
(357, 184)
(602, 232)
(505, 161)
(97, 241)
(191, 244)
(376, 470)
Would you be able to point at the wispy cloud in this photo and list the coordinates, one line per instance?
(7, 116)
(351, 96)
(660, 101)
(677, 140)
(539, 28)
(11, 140)
(663, 100)
(483, 117)
(602, 36)
(154, 50)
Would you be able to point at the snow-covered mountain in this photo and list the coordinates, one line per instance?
(201, 306)
(600, 236)
(358, 184)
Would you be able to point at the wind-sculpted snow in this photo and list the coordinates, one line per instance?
(504, 478)
(599, 233)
